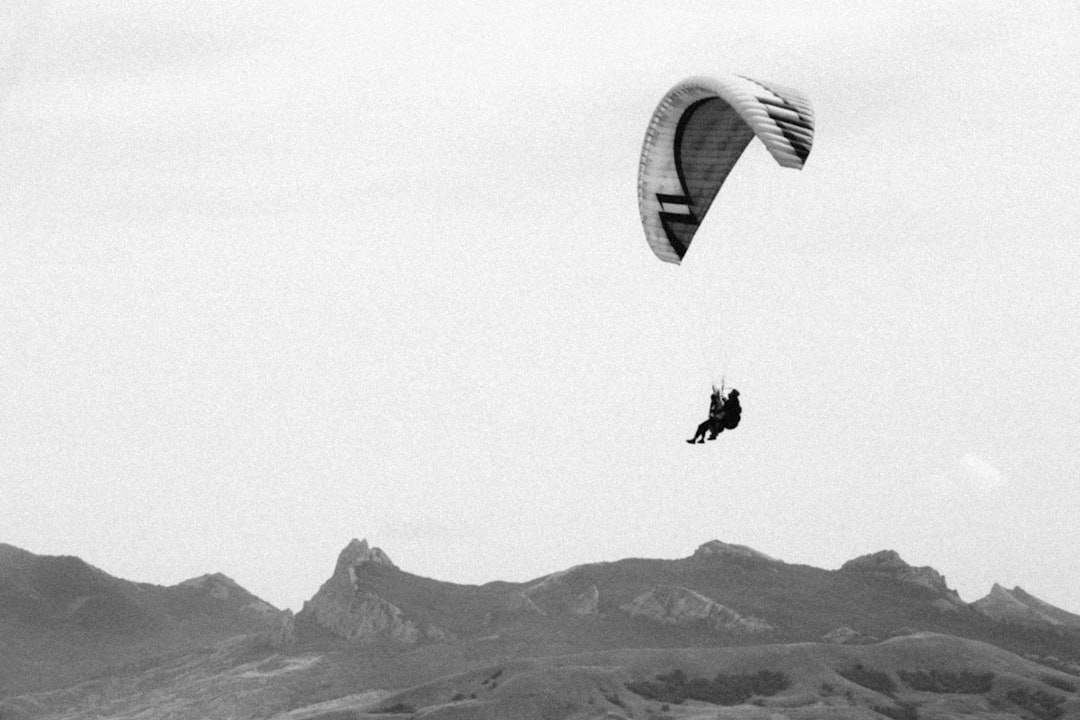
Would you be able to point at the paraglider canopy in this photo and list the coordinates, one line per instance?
(695, 137)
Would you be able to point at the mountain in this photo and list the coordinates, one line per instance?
(62, 619)
(726, 632)
(721, 595)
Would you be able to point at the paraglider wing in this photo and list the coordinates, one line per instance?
(695, 137)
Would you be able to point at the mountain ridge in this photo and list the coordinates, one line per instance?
(614, 639)
(721, 593)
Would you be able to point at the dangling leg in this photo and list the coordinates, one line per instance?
(716, 426)
(699, 436)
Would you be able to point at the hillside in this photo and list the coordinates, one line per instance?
(63, 619)
(921, 676)
(918, 676)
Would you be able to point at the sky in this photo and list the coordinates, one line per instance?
(278, 275)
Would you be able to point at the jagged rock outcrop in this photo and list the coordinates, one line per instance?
(946, 605)
(715, 548)
(521, 602)
(552, 595)
(681, 606)
(889, 562)
(347, 611)
(844, 635)
(548, 581)
(365, 618)
(587, 603)
(1018, 606)
(358, 552)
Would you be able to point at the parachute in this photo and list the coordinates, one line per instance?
(695, 137)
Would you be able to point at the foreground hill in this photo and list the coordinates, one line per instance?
(925, 676)
(918, 676)
(62, 619)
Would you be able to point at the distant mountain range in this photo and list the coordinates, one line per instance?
(614, 639)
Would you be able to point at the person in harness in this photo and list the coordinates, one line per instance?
(724, 414)
(729, 416)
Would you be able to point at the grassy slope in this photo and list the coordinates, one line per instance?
(592, 684)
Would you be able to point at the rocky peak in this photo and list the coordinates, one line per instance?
(715, 548)
(881, 561)
(358, 552)
(1001, 604)
(889, 562)
(352, 557)
(344, 608)
(343, 583)
(215, 584)
(1003, 594)
(223, 588)
(1019, 606)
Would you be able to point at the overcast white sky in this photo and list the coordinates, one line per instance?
(278, 275)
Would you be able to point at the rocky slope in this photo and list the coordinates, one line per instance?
(347, 610)
(680, 606)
